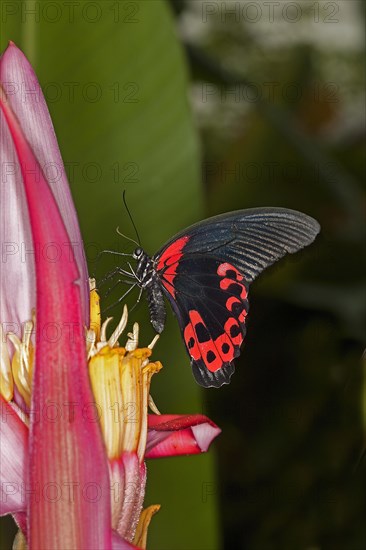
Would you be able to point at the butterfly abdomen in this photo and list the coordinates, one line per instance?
(148, 279)
(156, 304)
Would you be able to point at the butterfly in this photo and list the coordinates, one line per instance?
(205, 272)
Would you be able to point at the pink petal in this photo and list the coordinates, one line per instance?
(68, 492)
(128, 480)
(173, 435)
(18, 274)
(120, 544)
(21, 520)
(13, 456)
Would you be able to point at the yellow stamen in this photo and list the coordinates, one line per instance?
(120, 378)
(20, 542)
(133, 338)
(103, 330)
(22, 362)
(153, 342)
(120, 382)
(143, 524)
(113, 340)
(152, 406)
(90, 343)
(6, 377)
(95, 317)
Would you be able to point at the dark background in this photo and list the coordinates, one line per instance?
(291, 466)
(239, 104)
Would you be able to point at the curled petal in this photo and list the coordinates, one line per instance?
(13, 456)
(173, 435)
(26, 99)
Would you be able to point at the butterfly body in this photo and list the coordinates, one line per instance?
(148, 279)
(205, 272)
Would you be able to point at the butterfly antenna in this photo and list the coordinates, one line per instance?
(125, 236)
(129, 214)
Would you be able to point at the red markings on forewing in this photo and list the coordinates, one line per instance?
(169, 255)
(214, 353)
(169, 261)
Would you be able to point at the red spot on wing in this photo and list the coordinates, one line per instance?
(214, 353)
(230, 302)
(224, 268)
(242, 315)
(232, 327)
(210, 356)
(169, 261)
(231, 280)
(191, 342)
(225, 346)
(226, 283)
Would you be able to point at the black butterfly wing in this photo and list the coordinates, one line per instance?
(206, 270)
(211, 305)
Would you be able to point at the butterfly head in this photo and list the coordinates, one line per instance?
(138, 253)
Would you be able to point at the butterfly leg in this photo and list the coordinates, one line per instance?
(119, 281)
(121, 298)
(107, 251)
(138, 300)
(133, 272)
(119, 271)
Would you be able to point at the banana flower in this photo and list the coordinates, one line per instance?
(74, 424)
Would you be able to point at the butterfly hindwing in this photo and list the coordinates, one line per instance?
(205, 273)
(211, 304)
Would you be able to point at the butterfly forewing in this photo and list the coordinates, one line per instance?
(205, 272)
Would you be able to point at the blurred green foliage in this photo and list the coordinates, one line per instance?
(280, 109)
(280, 106)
